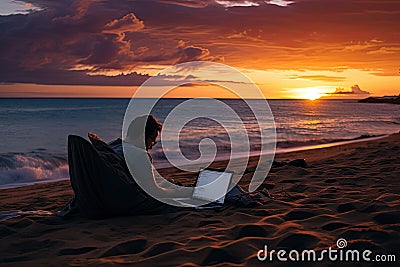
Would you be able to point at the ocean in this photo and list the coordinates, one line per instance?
(34, 132)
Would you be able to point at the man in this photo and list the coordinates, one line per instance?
(100, 178)
(140, 138)
(103, 182)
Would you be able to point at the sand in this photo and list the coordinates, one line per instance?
(350, 191)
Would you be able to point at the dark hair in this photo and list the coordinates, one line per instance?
(135, 129)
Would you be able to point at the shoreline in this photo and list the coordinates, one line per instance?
(350, 191)
(310, 153)
(284, 150)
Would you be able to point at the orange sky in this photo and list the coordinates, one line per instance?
(297, 49)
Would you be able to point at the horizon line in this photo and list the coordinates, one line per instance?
(233, 98)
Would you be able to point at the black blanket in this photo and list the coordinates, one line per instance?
(102, 183)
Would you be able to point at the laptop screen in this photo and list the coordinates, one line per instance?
(212, 185)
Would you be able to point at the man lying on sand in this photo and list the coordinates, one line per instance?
(102, 182)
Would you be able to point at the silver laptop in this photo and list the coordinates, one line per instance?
(208, 196)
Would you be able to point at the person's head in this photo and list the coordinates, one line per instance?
(146, 138)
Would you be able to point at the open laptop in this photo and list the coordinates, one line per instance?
(212, 196)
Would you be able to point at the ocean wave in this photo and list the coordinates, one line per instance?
(31, 167)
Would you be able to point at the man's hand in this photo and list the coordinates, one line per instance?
(93, 136)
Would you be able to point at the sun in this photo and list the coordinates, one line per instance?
(312, 96)
(310, 93)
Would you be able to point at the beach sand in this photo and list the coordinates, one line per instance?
(350, 191)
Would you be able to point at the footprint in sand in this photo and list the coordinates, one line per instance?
(387, 218)
(345, 207)
(129, 247)
(249, 231)
(220, 255)
(36, 245)
(366, 234)
(75, 251)
(299, 241)
(208, 222)
(299, 215)
(334, 226)
(374, 207)
(161, 248)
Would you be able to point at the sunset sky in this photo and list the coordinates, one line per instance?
(290, 49)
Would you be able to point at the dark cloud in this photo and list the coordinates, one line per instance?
(307, 34)
(355, 90)
(194, 53)
(75, 37)
(74, 77)
(128, 23)
(74, 42)
(191, 80)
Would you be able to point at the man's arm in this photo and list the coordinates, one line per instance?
(145, 175)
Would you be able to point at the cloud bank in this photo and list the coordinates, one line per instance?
(86, 41)
(355, 90)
